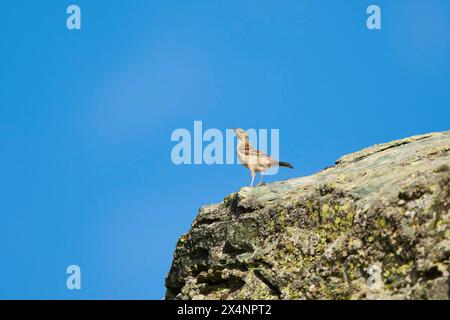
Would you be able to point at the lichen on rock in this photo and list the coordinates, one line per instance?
(376, 225)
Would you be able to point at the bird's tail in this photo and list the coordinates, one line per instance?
(285, 164)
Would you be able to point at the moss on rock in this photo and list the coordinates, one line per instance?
(374, 226)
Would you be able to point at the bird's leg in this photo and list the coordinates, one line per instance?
(253, 177)
(261, 176)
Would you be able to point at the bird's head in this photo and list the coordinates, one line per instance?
(240, 133)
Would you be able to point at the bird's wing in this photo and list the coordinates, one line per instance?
(258, 153)
(250, 151)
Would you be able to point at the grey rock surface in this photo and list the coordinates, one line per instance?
(376, 225)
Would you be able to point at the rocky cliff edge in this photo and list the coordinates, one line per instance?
(376, 225)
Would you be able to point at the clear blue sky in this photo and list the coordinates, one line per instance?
(86, 118)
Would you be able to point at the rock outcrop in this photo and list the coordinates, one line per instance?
(376, 225)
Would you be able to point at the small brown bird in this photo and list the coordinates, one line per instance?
(253, 159)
